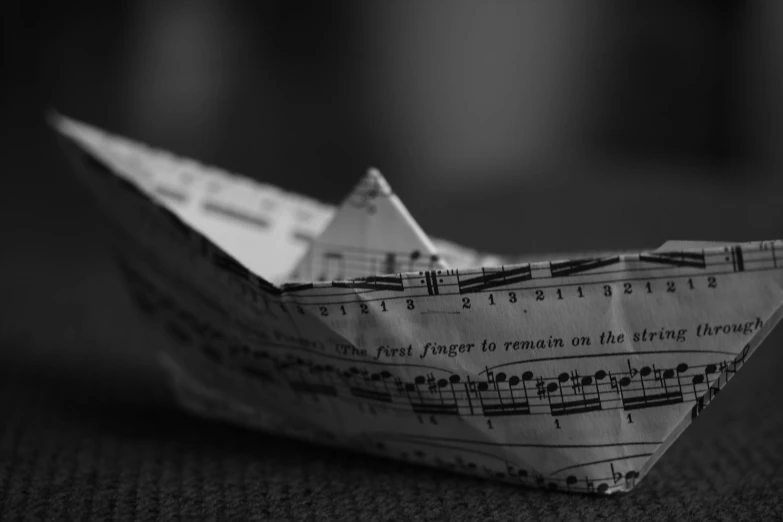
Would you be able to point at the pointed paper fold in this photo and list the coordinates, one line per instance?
(371, 233)
(573, 375)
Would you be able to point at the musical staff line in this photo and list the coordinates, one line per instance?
(520, 444)
(525, 477)
(512, 408)
(578, 268)
(169, 193)
(247, 341)
(512, 289)
(494, 401)
(604, 461)
(608, 354)
(406, 408)
(235, 214)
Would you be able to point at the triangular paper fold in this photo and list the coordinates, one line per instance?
(371, 233)
(572, 375)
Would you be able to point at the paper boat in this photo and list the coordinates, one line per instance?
(351, 327)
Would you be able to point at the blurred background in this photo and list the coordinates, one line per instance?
(600, 126)
(510, 127)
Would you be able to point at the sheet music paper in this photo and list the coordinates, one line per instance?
(371, 233)
(281, 314)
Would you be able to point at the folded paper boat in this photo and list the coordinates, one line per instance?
(351, 327)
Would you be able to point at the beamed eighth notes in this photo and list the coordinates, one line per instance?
(351, 327)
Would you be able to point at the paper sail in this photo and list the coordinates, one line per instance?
(350, 327)
(371, 233)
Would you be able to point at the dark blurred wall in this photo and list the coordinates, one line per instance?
(594, 125)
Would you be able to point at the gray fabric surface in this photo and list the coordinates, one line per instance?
(89, 432)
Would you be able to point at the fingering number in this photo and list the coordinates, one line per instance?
(557, 424)
(630, 419)
(712, 282)
(489, 424)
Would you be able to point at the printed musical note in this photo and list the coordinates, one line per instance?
(510, 406)
(679, 259)
(494, 278)
(412, 258)
(737, 258)
(348, 355)
(429, 407)
(378, 283)
(577, 406)
(330, 259)
(569, 268)
(390, 263)
(232, 213)
(633, 401)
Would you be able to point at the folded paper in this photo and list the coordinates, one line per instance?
(351, 327)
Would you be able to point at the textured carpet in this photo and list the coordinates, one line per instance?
(88, 432)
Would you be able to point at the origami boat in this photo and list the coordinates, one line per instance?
(351, 327)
